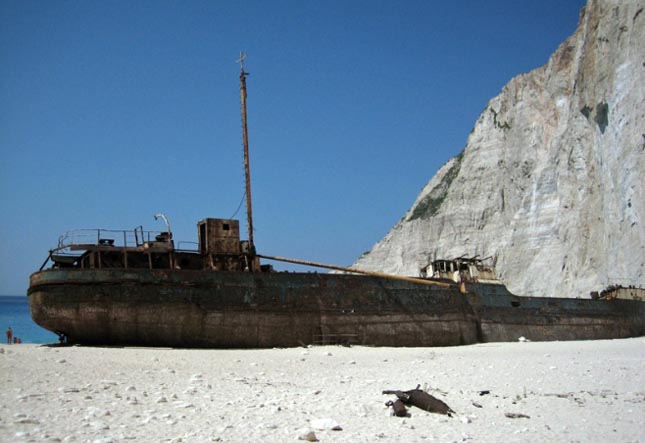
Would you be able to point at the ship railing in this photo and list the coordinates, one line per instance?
(187, 246)
(74, 244)
(122, 238)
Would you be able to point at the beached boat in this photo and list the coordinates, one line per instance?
(152, 294)
(134, 287)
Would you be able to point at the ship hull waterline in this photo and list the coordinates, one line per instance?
(175, 308)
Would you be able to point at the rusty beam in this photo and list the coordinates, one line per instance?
(356, 271)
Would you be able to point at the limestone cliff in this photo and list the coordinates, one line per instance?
(552, 175)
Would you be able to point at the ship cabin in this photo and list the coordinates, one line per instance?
(219, 248)
(462, 270)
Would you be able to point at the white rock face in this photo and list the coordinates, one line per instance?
(552, 176)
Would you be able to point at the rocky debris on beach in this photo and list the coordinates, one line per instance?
(114, 394)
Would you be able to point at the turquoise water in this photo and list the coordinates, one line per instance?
(14, 312)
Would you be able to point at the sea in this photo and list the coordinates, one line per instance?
(14, 313)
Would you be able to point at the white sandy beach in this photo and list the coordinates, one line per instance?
(569, 391)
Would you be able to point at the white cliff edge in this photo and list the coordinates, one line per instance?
(552, 175)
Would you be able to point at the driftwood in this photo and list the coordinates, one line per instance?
(422, 400)
(398, 407)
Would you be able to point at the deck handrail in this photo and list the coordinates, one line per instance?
(105, 237)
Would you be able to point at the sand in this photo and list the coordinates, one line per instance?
(559, 392)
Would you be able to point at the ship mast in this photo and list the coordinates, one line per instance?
(245, 141)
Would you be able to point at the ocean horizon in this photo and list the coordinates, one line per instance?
(14, 313)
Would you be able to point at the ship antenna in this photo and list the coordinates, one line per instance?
(245, 141)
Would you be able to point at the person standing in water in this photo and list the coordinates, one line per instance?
(9, 335)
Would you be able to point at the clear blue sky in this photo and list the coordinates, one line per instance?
(112, 111)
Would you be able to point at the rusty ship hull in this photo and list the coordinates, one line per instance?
(503, 316)
(176, 308)
(245, 310)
